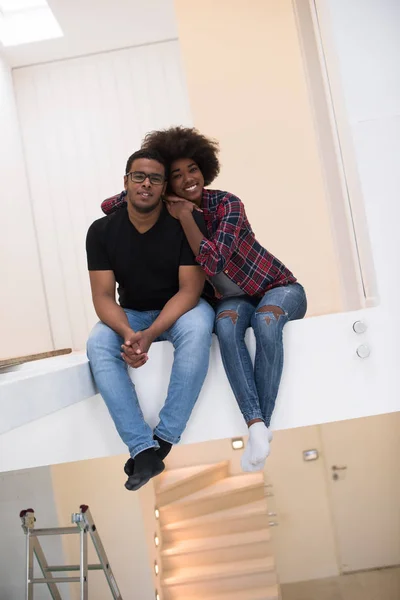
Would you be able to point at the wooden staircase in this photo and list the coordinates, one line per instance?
(215, 535)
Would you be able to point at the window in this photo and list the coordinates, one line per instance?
(24, 21)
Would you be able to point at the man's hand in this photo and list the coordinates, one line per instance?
(178, 206)
(132, 353)
(132, 359)
(136, 347)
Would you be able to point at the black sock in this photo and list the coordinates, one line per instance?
(129, 466)
(162, 452)
(147, 465)
(145, 460)
(164, 449)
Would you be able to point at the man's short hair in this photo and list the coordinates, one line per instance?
(151, 155)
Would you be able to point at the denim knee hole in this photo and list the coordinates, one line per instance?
(276, 311)
(232, 314)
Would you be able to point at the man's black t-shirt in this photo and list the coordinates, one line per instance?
(145, 265)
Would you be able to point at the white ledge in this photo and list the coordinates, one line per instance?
(35, 389)
(49, 413)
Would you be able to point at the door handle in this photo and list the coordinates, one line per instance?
(335, 468)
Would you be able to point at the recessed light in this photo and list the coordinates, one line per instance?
(156, 513)
(237, 443)
(156, 540)
(156, 567)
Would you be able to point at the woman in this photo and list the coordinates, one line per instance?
(253, 288)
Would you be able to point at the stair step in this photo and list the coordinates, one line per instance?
(209, 572)
(172, 477)
(212, 550)
(237, 512)
(246, 517)
(226, 485)
(224, 494)
(221, 578)
(177, 483)
(213, 543)
(265, 593)
(197, 574)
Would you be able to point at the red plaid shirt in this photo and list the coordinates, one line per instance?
(231, 247)
(114, 203)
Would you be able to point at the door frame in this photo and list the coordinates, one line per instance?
(341, 178)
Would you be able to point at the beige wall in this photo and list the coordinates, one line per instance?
(206, 453)
(303, 542)
(119, 518)
(247, 88)
(324, 525)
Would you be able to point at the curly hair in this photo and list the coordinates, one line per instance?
(186, 142)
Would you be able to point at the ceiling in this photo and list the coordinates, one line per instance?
(92, 26)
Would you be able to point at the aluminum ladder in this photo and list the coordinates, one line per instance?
(83, 526)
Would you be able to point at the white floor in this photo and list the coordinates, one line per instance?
(383, 584)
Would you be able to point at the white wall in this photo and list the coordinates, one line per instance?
(362, 44)
(24, 326)
(18, 491)
(81, 119)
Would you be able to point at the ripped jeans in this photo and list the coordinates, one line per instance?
(256, 388)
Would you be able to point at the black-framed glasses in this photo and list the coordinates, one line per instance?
(140, 176)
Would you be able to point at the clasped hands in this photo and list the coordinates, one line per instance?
(135, 348)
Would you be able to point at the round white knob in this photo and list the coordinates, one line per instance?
(363, 351)
(360, 327)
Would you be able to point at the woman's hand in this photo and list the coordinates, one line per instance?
(178, 206)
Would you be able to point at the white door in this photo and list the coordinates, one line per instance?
(362, 467)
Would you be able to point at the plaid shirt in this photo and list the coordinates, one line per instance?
(114, 203)
(231, 247)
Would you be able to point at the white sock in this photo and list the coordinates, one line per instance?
(259, 439)
(246, 464)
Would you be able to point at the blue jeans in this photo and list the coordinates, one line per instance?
(256, 388)
(191, 338)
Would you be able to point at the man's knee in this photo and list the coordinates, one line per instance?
(198, 321)
(199, 332)
(195, 336)
(101, 339)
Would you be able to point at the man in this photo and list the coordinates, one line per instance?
(143, 249)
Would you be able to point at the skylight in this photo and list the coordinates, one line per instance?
(18, 5)
(25, 21)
